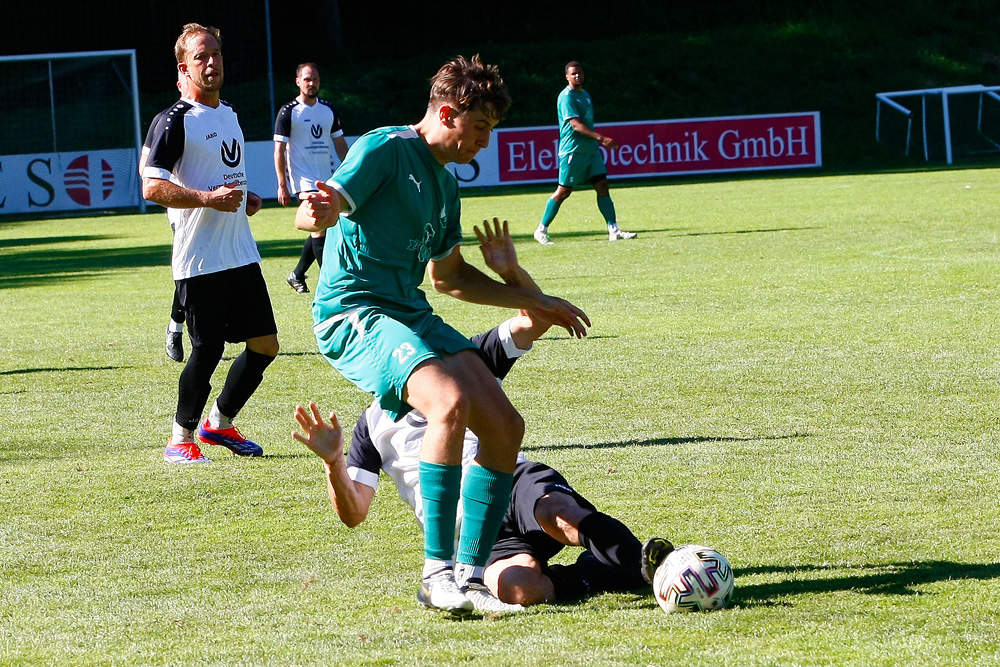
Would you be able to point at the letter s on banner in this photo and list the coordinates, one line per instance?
(38, 180)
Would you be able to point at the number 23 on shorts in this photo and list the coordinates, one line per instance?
(402, 353)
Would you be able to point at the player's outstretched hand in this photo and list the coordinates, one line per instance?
(326, 440)
(562, 313)
(497, 246)
(227, 198)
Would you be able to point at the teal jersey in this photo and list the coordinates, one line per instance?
(404, 210)
(575, 104)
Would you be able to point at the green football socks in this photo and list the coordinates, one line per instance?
(551, 209)
(485, 498)
(607, 208)
(440, 488)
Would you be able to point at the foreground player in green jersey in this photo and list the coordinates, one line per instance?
(393, 212)
(580, 158)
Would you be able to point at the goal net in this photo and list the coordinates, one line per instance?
(71, 131)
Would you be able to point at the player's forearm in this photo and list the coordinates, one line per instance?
(344, 496)
(472, 285)
(340, 145)
(518, 277)
(526, 327)
(580, 128)
(171, 195)
(280, 164)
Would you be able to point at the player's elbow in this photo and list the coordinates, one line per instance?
(441, 285)
(352, 519)
(148, 189)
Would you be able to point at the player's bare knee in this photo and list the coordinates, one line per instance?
(451, 410)
(519, 580)
(514, 427)
(266, 345)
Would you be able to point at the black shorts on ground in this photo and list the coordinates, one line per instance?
(520, 532)
(231, 305)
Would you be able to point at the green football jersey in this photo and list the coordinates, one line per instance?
(404, 210)
(575, 104)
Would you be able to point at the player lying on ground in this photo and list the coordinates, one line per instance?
(545, 512)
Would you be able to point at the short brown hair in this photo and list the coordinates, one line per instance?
(187, 32)
(572, 63)
(298, 70)
(470, 85)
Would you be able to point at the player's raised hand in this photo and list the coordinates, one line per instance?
(227, 198)
(562, 313)
(326, 440)
(497, 246)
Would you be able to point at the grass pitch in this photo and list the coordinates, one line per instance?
(802, 373)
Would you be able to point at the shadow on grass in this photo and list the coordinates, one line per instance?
(750, 231)
(659, 442)
(643, 232)
(870, 579)
(41, 266)
(49, 240)
(27, 371)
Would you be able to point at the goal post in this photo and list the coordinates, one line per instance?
(73, 132)
(971, 130)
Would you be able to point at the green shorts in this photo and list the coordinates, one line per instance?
(575, 170)
(378, 352)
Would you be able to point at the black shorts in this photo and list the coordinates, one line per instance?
(231, 306)
(520, 532)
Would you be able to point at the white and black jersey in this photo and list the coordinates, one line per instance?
(308, 132)
(202, 148)
(151, 134)
(380, 444)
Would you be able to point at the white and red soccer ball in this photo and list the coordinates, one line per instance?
(693, 577)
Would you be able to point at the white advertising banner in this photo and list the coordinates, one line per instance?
(79, 181)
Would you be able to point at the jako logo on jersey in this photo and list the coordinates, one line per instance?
(317, 131)
(231, 154)
(77, 180)
(415, 182)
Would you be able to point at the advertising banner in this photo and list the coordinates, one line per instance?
(671, 147)
(97, 180)
(657, 148)
(80, 181)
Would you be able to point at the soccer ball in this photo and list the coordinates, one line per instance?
(693, 578)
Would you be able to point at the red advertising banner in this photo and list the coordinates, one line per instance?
(671, 147)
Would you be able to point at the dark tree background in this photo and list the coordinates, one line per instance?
(644, 59)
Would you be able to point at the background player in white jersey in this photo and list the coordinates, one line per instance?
(546, 513)
(307, 131)
(175, 324)
(580, 158)
(393, 214)
(196, 165)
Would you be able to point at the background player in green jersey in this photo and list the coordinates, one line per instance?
(392, 212)
(580, 158)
